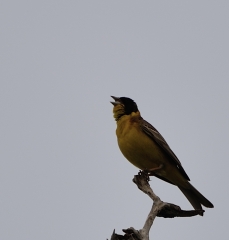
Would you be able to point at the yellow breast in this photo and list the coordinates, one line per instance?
(136, 146)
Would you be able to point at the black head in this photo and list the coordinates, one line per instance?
(129, 105)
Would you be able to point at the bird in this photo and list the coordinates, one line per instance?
(144, 147)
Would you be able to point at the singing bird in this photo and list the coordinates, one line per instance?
(145, 148)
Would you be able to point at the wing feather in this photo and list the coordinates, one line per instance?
(152, 132)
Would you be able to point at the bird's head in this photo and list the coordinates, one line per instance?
(123, 106)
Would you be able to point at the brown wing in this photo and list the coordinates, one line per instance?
(152, 132)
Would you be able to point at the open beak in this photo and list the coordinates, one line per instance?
(117, 101)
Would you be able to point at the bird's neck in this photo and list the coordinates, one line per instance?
(120, 116)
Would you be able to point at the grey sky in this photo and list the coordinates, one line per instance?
(62, 175)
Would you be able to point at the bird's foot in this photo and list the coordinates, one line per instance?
(144, 174)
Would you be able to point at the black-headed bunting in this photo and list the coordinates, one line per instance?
(145, 148)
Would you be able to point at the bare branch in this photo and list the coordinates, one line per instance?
(159, 209)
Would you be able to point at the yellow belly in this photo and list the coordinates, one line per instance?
(139, 149)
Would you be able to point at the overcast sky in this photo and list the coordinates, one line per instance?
(62, 175)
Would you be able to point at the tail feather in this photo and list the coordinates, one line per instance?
(195, 197)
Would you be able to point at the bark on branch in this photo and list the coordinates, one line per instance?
(159, 209)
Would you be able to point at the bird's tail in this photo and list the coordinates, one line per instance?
(195, 197)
